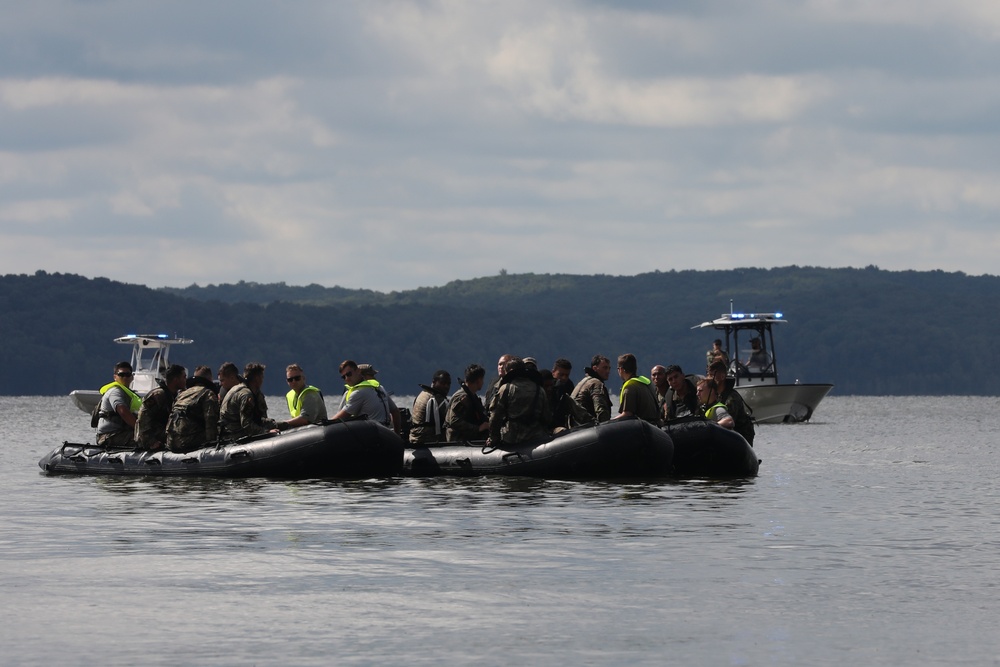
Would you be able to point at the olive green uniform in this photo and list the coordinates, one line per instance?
(520, 412)
(151, 424)
(244, 412)
(194, 420)
(592, 395)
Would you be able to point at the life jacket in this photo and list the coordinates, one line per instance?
(710, 410)
(378, 392)
(638, 379)
(135, 402)
(364, 383)
(295, 400)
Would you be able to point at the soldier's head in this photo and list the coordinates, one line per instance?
(441, 382)
(295, 377)
(707, 391)
(253, 375)
(561, 370)
(229, 375)
(601, 366)
(514, 366)
(349, 372)
(175, 377)
(502, 364)
(123, 373)
(659, 377)
(627, 364)
(675, 377)
(474, 377)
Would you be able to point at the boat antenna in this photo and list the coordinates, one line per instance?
(730, 308)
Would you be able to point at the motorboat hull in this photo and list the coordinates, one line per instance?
(85, 399)
(783, 403)
(342, 449)
(704, 449)
(619, 449)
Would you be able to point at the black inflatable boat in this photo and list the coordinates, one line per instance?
(704, 449)
(356, 448)
(621, 448)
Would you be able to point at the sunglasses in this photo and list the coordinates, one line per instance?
(347, 375)
(294, 378)
(124, 375)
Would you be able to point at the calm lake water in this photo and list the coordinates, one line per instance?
(870, 537)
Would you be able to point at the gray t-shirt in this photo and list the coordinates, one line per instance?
(110, 401)
(313, 407)
(367, 400)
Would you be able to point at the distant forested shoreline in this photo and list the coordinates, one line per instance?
(868, 331)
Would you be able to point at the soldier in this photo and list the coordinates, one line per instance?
(591, 393)
(194, 418)
(710, 406)
(466, 418)
(682, 399)
(637, 398)
(658, 375)
(117, 410)
(305, 402)
(430, 409)
(229, 377)
(244, 409)
(716, 354)
(362, 397)
(520, 409)
(491, 388)
(735, 404)
(151, 425)
(368, 373)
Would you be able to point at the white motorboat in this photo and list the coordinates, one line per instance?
(150, 360)
(754, 369)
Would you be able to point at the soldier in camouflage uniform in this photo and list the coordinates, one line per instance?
(735, 405)
(466, 418)
(591, 393)
(430, 408)
(151, 424)
(244, 409)
(520, 410)
(194, 419)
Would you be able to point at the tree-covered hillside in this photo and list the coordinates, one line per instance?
(867, 331)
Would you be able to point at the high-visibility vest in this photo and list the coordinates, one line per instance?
(295, 400)
(135, 402)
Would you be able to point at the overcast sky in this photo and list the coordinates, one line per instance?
(391, 145)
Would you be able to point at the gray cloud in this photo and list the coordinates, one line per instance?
(395, 144)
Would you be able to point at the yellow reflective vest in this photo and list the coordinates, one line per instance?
(365, 383)
(295, 400)
(710, 410)
(638, 379)
(134, 401)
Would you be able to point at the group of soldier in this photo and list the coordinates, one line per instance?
(521, 403)
(524, 402)
(182, 414)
